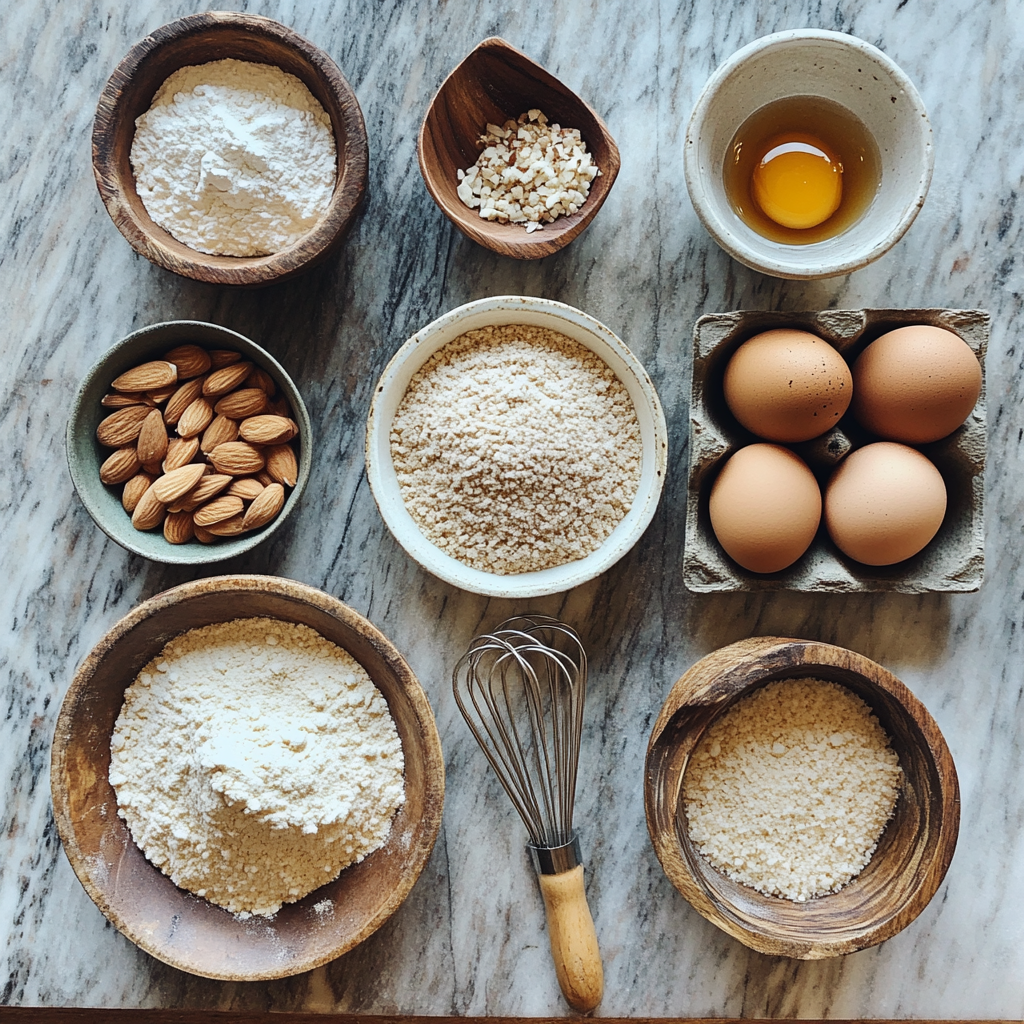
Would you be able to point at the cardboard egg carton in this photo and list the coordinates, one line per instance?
(954, 561)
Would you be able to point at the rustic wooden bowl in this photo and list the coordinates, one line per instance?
(199, 39)
(912, 855)
(181, 929)
(494, 83)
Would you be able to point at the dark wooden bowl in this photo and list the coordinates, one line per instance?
(181, 929)
(912, 855)
(494, 83)
(199, 39)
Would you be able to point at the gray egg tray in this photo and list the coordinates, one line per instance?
(955, 559)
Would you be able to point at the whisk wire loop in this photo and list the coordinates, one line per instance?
(522, 696)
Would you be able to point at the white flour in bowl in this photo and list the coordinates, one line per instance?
(234, 158)
(254, 760)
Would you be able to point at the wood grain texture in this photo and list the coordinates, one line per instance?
(912, 855)
(494, 84)
(573, 939)
(182, 930)
(199, 39)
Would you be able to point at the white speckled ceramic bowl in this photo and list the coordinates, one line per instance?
(837, 67)
(515, 309)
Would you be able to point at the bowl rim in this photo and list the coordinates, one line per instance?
(556, 235)
(416, 351)
(302, 593)
(706, 683)
(187, 554)
(246, 271)
(777, 265)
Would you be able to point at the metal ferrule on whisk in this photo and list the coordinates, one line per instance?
(553, 860)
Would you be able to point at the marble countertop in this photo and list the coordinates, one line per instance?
(471, 938)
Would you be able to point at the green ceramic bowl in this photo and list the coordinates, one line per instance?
(86, 454)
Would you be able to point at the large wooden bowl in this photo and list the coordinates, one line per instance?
(494, 83)
(199, 39)
(912, 855)
(181, 929)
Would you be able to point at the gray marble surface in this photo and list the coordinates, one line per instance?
(470, 938)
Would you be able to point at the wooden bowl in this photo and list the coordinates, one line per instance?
(199, 39)
(181, 929)
(912, 855)
(495, 83)
(86, 455)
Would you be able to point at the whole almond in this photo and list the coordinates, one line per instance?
(178, 482)
(226, 527)
(191, 360)
(264, 508)
(207, 488)
(160, 395)
(266, 430)
(282, 464)
(217, 510)
(181, 400)
(152, 441)
(116, 401)
(122, 465)
(236, 458)
(226, 379)
(154, 469)
(248, 488)
(149, 512)
(221, 357)
(180, 452)
(195, 419)
(147, 377)
(262, 380)
(264, 478)
(178, 528)
(122, 427)
(220, 431)
(133, 491)
(203, 535)
(240, 404)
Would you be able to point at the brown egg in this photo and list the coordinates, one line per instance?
(915, 384)
(765, 507)
(787, 385)
(884, 503)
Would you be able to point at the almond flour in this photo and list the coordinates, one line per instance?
(789, 791)
(253, 761)
(516, 449)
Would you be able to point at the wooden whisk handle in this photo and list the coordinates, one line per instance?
(573, 939)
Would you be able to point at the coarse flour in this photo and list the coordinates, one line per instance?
(254, 760)
(234, 158)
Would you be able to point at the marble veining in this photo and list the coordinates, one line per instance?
(471, 938)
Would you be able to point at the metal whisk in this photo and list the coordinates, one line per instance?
(521, 690)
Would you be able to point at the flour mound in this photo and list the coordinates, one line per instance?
(234, 158)
(253, 761)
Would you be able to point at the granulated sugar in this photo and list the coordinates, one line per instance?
(254, 760)
(516, 449)
(790, 790)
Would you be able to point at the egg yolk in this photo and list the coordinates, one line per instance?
(798, 183)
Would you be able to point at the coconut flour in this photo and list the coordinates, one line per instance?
(234, 158)
(254, 760)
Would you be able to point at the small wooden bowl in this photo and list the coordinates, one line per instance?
(199, 39)
(139, 900)
(495, 83)
(912, 855)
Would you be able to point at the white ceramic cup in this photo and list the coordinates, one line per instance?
(555, 316)
(837, 67)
